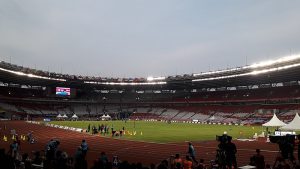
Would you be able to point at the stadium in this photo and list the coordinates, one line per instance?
(157, 115)
(149, 84)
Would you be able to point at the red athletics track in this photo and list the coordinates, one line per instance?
(132, 151)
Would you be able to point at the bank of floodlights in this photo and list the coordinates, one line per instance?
(253, 69)
(31, 75)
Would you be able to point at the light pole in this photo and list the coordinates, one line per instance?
(134, 122)
(137, 99)
(104, 103)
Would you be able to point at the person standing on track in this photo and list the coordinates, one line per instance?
(89, 128)
(84, 147)
(29, 136)
(14, 147)
(192, 152)
(51, 149)
(230, 151)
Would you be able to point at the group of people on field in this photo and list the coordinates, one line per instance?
(102, 129)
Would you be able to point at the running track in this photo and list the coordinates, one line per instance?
(132, 151)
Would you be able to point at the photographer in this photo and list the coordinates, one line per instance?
(221, 156)
(51, 149)
(298, 143)
(259, 160)
(230, 151)
(299, 151)
(286, 146)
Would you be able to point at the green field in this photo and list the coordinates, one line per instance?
(166, 133)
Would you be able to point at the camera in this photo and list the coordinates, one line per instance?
(224, 138)
(286, 145)
(283, 139)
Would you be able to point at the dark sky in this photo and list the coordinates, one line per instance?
(137, 38)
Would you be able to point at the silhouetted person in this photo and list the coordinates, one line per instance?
(177, 161)
(192, 152)
(259, 160)
(230, 150)
(84, 148)
(51, 149)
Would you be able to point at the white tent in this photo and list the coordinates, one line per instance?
(59, 116)
(65, 116)
(74, 116)
(105, 117)
(274, 122)
(212, 117)
(294, 124)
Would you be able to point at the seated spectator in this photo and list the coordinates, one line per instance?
(38, 160)
(103, 158)
(124, 165)
(187, 163)
(6, 161)
(201, 165)
(163, 165)
(61, 160)
(79, 159)
(259, 160)
(177, 161)
(25, 157)
(152, 166)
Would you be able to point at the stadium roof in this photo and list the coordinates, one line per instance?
(286, 69)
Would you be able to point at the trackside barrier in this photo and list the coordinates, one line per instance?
(58, 126)
(33, 122)
(4, 119)
(80, 129)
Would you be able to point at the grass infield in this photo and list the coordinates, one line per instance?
(162, 132)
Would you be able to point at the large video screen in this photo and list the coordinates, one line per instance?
(63, 91)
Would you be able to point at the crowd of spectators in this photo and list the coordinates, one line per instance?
(54, 158)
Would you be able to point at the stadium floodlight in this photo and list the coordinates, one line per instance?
(32, 75)
(277, 61)
(218, 71)
(253, 66)
(255, 72)
(126, 83)
(151, 78)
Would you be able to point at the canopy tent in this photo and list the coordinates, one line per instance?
(74, 116)
(212, 117)
(105, 117)
(294, 124)
(65, 116)
(59, 116)
(274, 122)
